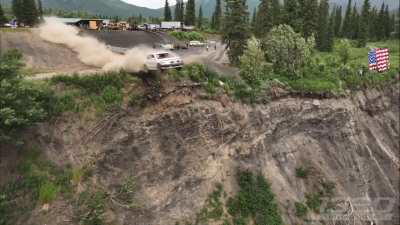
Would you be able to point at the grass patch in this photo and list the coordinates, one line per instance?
(92, 84)
(188, 36)
(214, 208)
(48, 192)
(29, 71)
(91, 207)
(301, 209)
(255, 201)
(16, 30)
(80, 174)
(100, 91)
(199, 74)
(126, 192)
(359, 56)
(314, 201)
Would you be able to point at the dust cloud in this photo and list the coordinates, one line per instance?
(91, 51)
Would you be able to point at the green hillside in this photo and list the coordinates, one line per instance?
(103, 7)
(209, 5)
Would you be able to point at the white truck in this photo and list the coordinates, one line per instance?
(197, 43)
(151, 26)
(159, 61)
(168, 25)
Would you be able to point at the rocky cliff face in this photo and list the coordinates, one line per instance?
(179, 153)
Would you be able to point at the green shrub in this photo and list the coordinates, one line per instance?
(342, 49)
(301, 209)
(255, 200)
(253, 67)
(112, 96)
(187, 36)
(91, 207)
(213, 208)
(22, 103)
(302, 172)
(79, 174)
(47, 192)
(103, 91)
(316, 86)
(287, 50)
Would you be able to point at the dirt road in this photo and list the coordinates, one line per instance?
(47, 59)
(40, 55)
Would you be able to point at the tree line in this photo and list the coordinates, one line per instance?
(311, 18)
(186, 14)
(26, 12)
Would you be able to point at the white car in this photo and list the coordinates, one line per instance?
(167, 46)
(163, 60)
(196, 43)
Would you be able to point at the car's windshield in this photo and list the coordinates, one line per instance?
(163, 55)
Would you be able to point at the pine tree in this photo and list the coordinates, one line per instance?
(40, 10)
(378, 22)
(177, 11)
(167, 11)
(17, 9)
(346, 29)
(30, 13)
(253, 19)
(392, 24)
(236, 30)
(397, 24)
(309, 15)
(190, 17)
(338, 21)
(322, 28)
(264, 19)
(387, 22)
(374, 23)
(364, 21)
(330, 33)
(182, 11)
(3, 19)
(291, 14)
(217, 15)
(200, 18)
(213, 22)
(354, 28)
(276, 12)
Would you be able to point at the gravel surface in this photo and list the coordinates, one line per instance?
(49, 59)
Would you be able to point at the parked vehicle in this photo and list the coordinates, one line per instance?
(168, 25)
(180, 45)
(196, 43)
(163, 60)
(167, 46)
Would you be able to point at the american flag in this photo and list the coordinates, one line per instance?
(379, 59)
